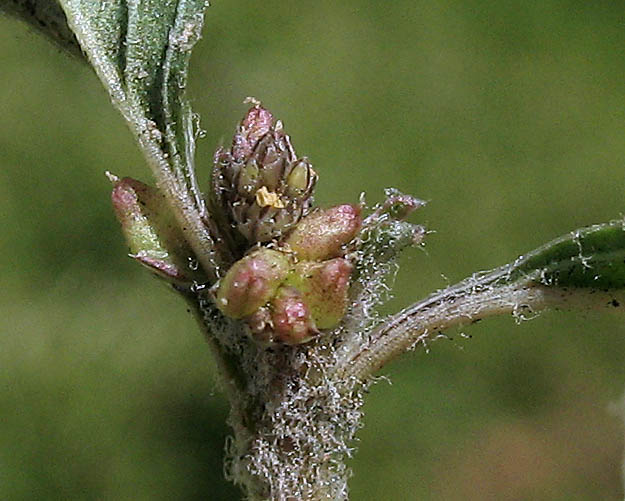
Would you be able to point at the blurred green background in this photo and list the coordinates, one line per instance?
(507, 116)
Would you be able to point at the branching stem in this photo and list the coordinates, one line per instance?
(468, 302)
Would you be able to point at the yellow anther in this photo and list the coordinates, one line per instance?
(266, 198)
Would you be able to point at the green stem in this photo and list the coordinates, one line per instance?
(465, 303)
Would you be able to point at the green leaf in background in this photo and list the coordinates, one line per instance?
(592, 257)
(46, 17)
(580, 270)
(141, 50)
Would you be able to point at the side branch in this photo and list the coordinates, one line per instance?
(466, 303)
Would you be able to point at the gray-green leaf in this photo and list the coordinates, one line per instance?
(140, 49)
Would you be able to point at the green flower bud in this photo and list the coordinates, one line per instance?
(251, 282)
(291, 319)
(260, 188)
(299, 180)
(323, 233)
(324, 287)
(151, 231)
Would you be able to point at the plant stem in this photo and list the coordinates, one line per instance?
(465, 303)
(292, 425)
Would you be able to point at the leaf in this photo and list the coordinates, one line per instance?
(582, 269)
(592, 257)
(140, 50)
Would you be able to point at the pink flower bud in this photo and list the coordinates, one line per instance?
(398, 205)
(323, 233)
(324, 287)
(292, 323)
(251, 282)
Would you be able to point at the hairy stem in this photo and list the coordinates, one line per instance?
(468, 302)
(227, 371)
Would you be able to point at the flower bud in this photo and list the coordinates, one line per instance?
(151, 231)
(385, 234)
(324, 287)
(261, 325)
(323, 233)
(251, 282)
(292, 322)
(260, 187)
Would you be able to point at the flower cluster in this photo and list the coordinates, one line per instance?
(289, 292)
(260, 188)
(291, 275)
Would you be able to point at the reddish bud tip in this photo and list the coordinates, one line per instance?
(256, 123)
(126, 196)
